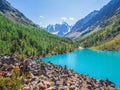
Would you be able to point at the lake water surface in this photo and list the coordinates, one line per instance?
(97, 64)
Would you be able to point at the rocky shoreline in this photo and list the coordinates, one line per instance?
(47, 76)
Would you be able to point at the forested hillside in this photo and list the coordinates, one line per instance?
(107, 37)
(29, 40)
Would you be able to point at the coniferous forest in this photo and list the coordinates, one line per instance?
(32, 41)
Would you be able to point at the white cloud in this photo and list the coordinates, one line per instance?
(42, 17)
(64, 18)
(71, 18)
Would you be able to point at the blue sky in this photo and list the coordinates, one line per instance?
(44, 12)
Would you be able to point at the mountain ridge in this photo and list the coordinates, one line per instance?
(106, 37)
(59, 29)
(103, 14)
(15, 15)
(84, 20)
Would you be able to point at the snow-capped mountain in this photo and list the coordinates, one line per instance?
(59, 29)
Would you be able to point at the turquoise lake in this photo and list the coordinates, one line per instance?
(97, 64)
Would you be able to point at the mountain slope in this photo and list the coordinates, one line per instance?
(13, 14)
(59, 29)
(104, 13)
(113, 44)
(108, 35)
(24, 38)
(79, 28)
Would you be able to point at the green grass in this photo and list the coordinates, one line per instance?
(114, 44)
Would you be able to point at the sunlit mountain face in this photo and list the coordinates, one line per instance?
(59, 29)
